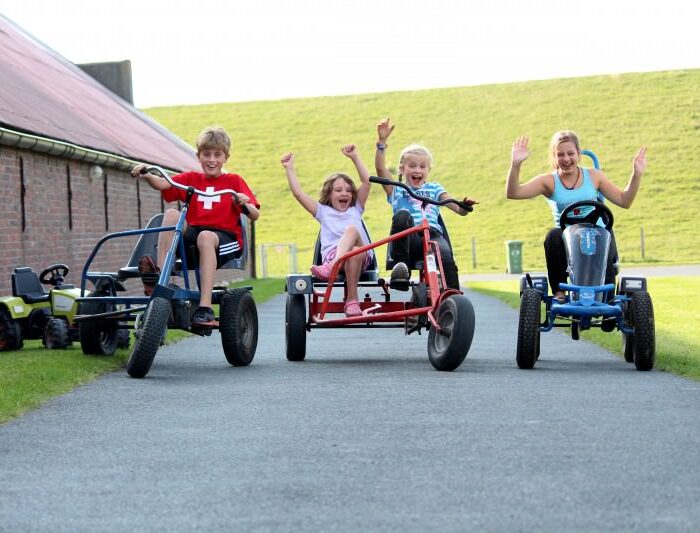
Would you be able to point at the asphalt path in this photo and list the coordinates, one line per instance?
(363, 435)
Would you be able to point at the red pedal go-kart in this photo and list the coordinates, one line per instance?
(446, 313)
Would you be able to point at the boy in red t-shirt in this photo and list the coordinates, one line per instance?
(212, 223)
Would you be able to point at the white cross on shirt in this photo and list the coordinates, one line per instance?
(207, 201)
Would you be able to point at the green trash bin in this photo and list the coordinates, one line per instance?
(514, 256)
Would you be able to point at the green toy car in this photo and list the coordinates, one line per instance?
(33, 313)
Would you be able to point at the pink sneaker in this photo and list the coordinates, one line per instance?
(352, 308)
(322, 272)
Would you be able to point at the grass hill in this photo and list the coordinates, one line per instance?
(470, 131)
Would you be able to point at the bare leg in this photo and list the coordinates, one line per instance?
(353, 269)
(207, 244)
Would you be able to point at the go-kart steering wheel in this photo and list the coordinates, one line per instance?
(572, 214)
(54, 274)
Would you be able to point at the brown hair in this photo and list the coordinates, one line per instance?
(327, 188)
(558, 138)
(213, 138)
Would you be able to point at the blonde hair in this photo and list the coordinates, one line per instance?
(558, 138)
(414, 149)
(213, 138)
(327, 188)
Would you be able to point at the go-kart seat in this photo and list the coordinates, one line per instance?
(26, 285)
(416, 263)
(371, 274)
(146, 245)
(238, 263)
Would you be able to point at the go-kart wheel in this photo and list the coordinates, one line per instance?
(528, 348)
(150, 334)
(295, 327)
(644, 333)
(123, 338)
(56, 334)
(238, 325)
(628, 338)
(10, 333)
(448, 348)
(575, 330)
(97, 337)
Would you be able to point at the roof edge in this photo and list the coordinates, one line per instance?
(45, 145)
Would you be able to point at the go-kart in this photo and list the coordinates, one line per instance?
(589, 302)
(446, 313)
(103, 312)
(33, 313)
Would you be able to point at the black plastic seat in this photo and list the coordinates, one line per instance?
(26, 285)
(146, 245)
(371, 274)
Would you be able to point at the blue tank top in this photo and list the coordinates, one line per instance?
(562, 197)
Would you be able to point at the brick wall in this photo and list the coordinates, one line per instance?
(56, 232)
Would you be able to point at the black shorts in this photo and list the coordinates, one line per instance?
(229, 248)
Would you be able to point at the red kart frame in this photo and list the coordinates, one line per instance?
(449, 315)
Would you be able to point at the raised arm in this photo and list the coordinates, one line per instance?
(624, 198)
(304, 199)
(534, 187)
(156, 182)
(350, 151)
(384, 129)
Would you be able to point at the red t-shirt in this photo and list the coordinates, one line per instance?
(219, 212)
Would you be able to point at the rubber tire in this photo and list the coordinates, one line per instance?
(149, 336)
(628, 339)
(575, 330)
(528, 347)
(295, 327)
(123, 338)
(238, 325)
(10, 333)
(644, 333)
(455, 313)
(97, 337)
(56, 334)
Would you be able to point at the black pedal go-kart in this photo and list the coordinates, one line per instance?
(446, 313)
(625, 307)
(103, 312)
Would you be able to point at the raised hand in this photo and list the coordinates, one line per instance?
(349, 150)
(639, 164)
(384, 129)
(520, 153)
(287, 160)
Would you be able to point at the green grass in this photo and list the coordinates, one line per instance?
(676, 316)
(33, 375)
(470, 131)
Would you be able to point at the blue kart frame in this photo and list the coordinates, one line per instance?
(589, 302)
(102, 312)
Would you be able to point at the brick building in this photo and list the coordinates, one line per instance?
(67, 144)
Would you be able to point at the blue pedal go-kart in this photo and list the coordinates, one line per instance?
(589, 302)
(102, 312)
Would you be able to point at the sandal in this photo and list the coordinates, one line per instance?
(322, 272)
(352, 308)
